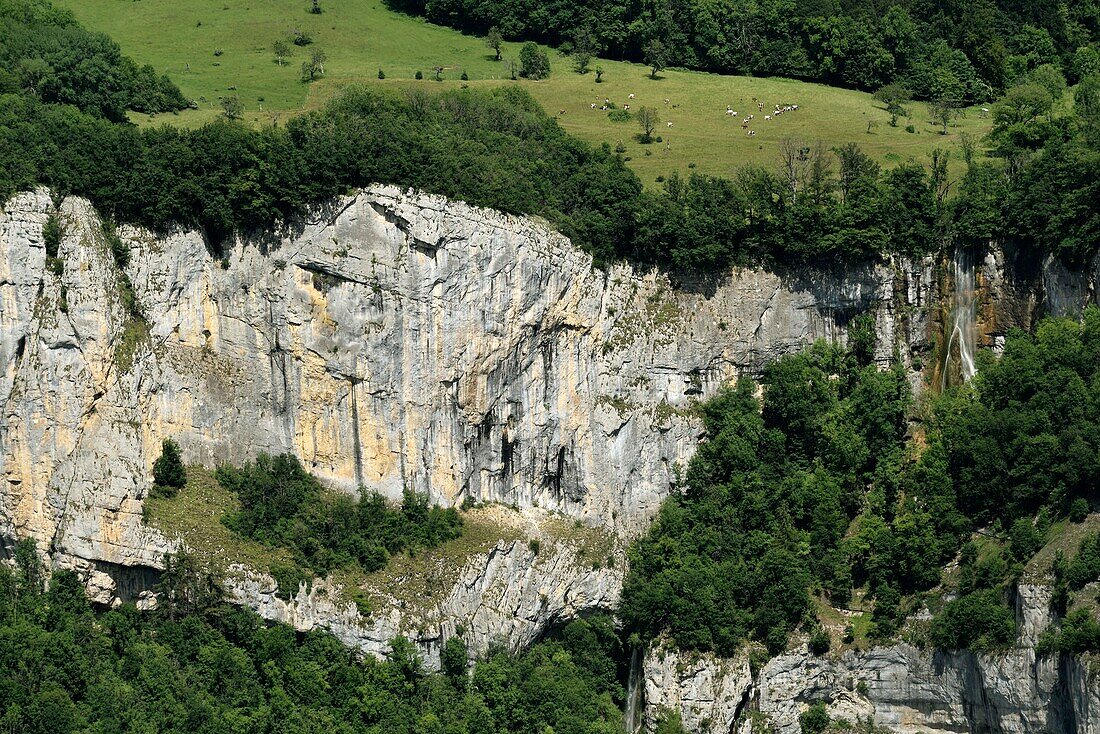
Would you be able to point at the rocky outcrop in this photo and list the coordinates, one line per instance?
(710, 693)
(508, 595)
(898, 687)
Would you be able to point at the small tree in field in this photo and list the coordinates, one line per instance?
(894, 97)
(281, 49)
(169, 473)
(647, 120)
(943, 112)
(585, 46)
(315, 67)
(232, 107)
(656, 57)
(495, 41)
(534, 64)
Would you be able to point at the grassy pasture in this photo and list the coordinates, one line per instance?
(361, 37)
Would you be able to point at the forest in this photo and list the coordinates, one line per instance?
(197, 665)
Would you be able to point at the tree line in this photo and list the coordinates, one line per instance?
(46, 54)
(969, 50)
(499, 149)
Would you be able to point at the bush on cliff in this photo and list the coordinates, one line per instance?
(169, 474)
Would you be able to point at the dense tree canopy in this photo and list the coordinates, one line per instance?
(283, 505)
(218, 669)
(817, 487)
(45, 53)
(958, 50)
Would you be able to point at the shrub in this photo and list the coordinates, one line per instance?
(977, 621)
(288, 579)
(534, 63)
(815, 719)
(1024, 540)
(820, 642)
(301, 38)
(51, 235)
(1080, 633)
(453, 659)
(1085, 566)
(169, 474)
(465, 77)
(1079, 510)
(381, 74)
(418, 75)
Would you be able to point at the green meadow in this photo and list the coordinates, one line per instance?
(216, 48)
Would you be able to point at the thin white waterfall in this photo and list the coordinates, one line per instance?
(635, 686)
(962, 324)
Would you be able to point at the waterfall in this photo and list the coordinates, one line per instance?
(961, 327)
(635, 686)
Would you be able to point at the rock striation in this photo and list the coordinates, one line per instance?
(391, 340)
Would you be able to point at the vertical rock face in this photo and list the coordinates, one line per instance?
(394, 340)
(898, 687)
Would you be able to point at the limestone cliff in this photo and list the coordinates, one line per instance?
(393, 340)
(399, 340)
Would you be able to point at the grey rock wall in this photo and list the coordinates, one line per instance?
(898, 687)
(399, 340)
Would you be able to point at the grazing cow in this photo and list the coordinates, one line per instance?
(666, 101)
(593, 105)
(626, 107)
(630, 96)
(767, 117)
(669, 124)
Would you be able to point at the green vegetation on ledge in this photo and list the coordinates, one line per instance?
(817, 488)
(281, 505)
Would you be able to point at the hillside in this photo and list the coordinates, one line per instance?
(396, 407)
(361, 38)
